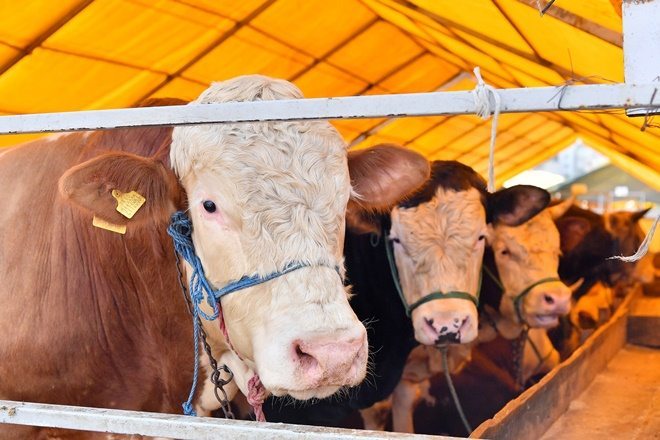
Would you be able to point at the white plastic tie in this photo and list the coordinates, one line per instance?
(643, 248)
(482, 94)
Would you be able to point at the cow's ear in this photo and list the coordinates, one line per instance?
(381, 177)
(91, 185)
(572, 231)
(514, 206)
(636, 216)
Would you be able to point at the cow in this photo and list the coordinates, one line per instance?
(96, 317)
(626, 230)
(437, 238)
(588, 240)
(527, 250)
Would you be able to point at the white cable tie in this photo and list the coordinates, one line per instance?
(482, 93)
(643, 248)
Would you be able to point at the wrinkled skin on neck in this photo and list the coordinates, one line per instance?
(438, 246)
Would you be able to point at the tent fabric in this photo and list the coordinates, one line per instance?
(94, 54)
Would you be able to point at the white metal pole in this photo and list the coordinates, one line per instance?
(533, 99)
(641, 46)
(174, 426)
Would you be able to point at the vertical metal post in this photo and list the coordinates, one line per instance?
(641, 46)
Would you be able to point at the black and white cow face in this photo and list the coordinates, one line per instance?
(439, 238)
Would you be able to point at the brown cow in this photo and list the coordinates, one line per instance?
(96, 318)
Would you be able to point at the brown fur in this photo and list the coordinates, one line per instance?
(89, 317)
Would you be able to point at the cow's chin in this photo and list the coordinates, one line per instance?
(317, 393)
(302, 391)
(548, 320)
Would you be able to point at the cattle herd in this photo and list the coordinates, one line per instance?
(393, 257)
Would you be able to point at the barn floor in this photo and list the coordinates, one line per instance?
(623, 401)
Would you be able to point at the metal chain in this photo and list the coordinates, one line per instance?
(215, 378)
(518, 352)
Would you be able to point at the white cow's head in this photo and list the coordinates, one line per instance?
(525, 242)
(262, 195)
(265, 194)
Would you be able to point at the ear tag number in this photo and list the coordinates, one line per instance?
(100, 223)
(128, 203)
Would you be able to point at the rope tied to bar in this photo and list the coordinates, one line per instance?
(482, 95)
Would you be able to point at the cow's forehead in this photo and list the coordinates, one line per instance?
(266, 149)
(538, 234)
(455, 213)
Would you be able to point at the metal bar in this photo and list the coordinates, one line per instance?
(585, 97)
(173, 426)
(641, 46)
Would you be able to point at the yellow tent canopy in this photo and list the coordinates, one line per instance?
(92, 54)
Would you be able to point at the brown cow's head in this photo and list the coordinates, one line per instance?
(260, 196)
(626, 230)
(526, 246)
(624, 227)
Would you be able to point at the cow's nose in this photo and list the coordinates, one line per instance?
(557, 300)
(325, 362)
(443, 331)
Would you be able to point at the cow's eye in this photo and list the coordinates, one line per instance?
(505, 252)
(395, 240)
(482, 237)
(209, 206)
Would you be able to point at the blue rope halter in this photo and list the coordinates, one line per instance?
(180, 229)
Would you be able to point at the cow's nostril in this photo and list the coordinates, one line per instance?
(306, 360)
(549, 299)
(429, 324)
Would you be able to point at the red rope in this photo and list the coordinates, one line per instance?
(256, 396)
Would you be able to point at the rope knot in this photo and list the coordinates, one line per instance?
(181, 225)
(482, 94)
(188, 409)
(256, 397)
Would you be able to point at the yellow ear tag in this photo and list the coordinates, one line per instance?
(128, 203)
(100, 223)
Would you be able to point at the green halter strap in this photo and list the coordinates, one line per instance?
(518, 299)
(426, 298)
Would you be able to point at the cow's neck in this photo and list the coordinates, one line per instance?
(377, 303)
(489, 303)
